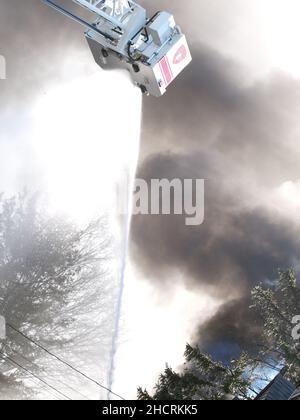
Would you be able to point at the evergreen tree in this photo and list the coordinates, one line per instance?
(203, 378)
(53, 289)
(277, 307)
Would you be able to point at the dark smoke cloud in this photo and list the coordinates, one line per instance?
(212, 124)
(233, 250)
(234, 328)
(241, 138)
(209, 108)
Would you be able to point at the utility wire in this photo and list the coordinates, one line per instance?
(64, 362)
(42, 385)
(35, 376)
(37, 366)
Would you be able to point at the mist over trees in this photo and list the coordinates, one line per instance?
(54, 283)
(203, 378)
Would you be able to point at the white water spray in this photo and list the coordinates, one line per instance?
(124, 253)
(129, 176)
(81, 178)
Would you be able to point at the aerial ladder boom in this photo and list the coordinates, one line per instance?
(120, 35)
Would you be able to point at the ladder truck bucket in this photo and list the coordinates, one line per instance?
(154, 50)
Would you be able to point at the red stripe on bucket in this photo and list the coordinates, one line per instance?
(166, 70)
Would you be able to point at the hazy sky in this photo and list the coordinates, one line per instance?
(231, 118)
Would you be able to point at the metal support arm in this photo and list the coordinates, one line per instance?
(77, 19)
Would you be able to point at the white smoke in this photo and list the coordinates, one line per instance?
(87, 137)
(72, 144)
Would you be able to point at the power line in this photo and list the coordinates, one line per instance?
(65, 363)
(36, 381)
(37, 366)
(63, 383)
(42, 385)
(35, 376)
